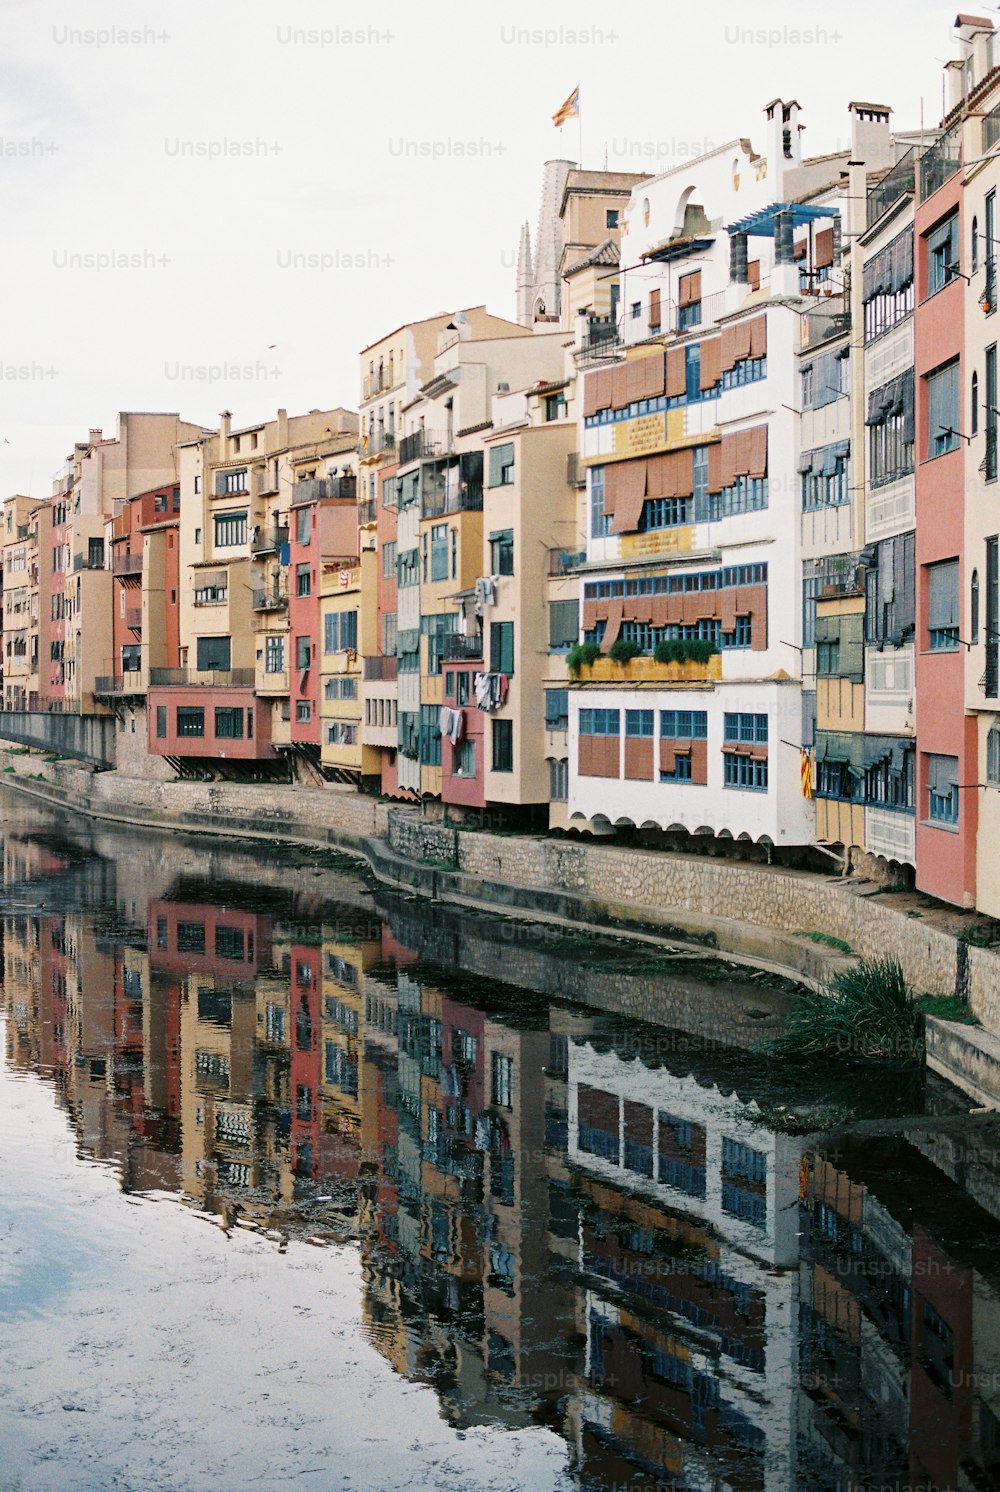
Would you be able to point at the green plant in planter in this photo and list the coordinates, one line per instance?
(623, 651)
(684, 650)
(583, 653)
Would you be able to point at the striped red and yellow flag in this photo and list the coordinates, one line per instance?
(569, 110)
(807, 771)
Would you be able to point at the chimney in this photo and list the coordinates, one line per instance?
(871, 137)
(784, 142)
(857, 198)
(95, 435)
(954, 74)
(225, 423)
(282, 429)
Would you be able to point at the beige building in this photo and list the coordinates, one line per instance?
(347, 633)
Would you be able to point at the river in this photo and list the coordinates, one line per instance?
(306, 1184)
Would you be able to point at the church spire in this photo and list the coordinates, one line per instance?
(525, 278)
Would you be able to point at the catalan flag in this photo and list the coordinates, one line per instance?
(807, 771)
(569, 110)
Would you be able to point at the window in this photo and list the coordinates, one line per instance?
(993, 756)
(974, 608)
(942, 254)
(408, 567)
(942, 789)
(825, 477)
(388, 634)
(303, 580)
(502, 648)
(464, 758)
(190, 721)
(684, 725)
(340, 631)
(600, 722)
(503, 1080)
(131, 657)
(555, 406)
(303, 653)
(230, 530)
(303, 519)
(564, 624)
(303, 711)
(274, 655)
(974, 405)
(557, 709)
(213, 654)
(503, 745)
(208, 595)
(389, 559)
(430, 735)
(635, 310)
(598, 519)
(990, 410)
(502, 552)
(692, 372)
(229, 724)
(942, 410)
(639, 723)
(161, 722)
(502, 465)
(558, 781)
(611, 217)
(942, 606)
(974, 247)
(95, 554)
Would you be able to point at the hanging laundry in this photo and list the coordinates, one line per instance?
(456, 728)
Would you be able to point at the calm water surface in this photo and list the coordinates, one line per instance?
(304, 1185)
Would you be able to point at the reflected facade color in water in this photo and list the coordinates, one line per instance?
(560, 1248)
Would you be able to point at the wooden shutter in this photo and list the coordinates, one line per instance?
(689, 288)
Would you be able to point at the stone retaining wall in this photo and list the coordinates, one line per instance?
(790, 901)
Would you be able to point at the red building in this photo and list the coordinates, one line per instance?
(946, 736)
(323, 527)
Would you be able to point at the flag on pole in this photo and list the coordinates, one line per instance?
(569, 110)
(807, 771)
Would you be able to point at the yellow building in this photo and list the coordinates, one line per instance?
(348, 632)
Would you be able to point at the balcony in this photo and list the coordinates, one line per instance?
(565, 562)
(274, 682)
(133, 618)
(316, 489)
(376, 383)
(467, 498)
(601, 339)
(121, 564)
(380, 668)
(379, 443)
(423, 444)
(184, 678)
(367, 511)
(96, 562)
(894, 184)
(456, 649)
(269, 539)
(991, 129)
(940, 162)
(119, 683)
(265, 600)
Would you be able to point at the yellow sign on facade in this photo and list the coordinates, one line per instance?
(642, 436)
(657, 541)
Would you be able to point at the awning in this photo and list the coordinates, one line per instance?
(761, 223)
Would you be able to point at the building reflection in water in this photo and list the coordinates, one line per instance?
(564, 1218)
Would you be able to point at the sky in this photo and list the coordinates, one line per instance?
(216, 205)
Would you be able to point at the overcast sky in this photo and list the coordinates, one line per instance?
(293, 174)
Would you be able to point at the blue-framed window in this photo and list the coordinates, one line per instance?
(942, 790)
(684, 725)
(600, 722)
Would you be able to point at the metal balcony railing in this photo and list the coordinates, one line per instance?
(122, 564)
(991, 128)
(119, 683)
(95, 562)
(423, 444)
(378, 443)
(376, 383)
(367, 510)
(940, 162)
(894, 184)
(565, 561)
(380, 668)
(314, 489)
(267, 539)
(265, 600)
(460, 649)
(466, 499)
(178, 678)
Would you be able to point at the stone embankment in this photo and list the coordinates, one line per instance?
(768, 912)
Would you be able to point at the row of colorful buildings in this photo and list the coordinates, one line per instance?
(702, 545)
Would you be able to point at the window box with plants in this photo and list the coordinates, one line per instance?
(677, 660)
